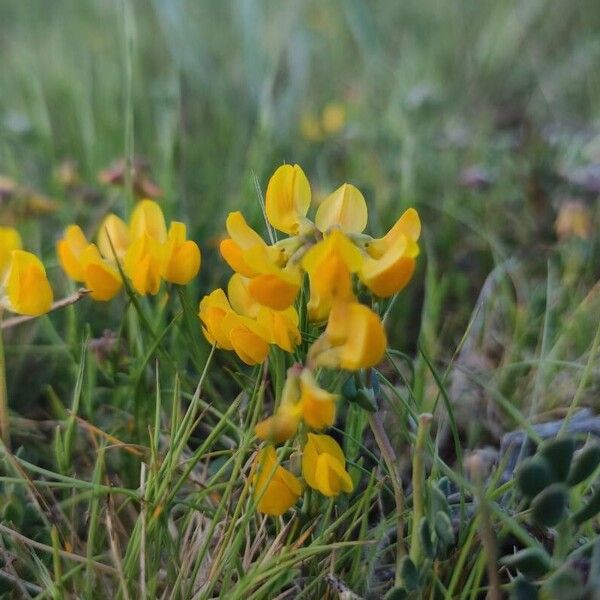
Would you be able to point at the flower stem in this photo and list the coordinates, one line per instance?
(418, 483)
(4, 420)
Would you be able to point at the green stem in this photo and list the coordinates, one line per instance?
(418, 482)
(4, 418)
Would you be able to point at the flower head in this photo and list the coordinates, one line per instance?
(26, 289)
(276, 490)
(181, 261)
(114, 237)
(324, 466)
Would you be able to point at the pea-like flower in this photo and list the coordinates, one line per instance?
(148, 219)
(83, 262)
(329, 265)
(302, 400)
(144, 263)
(276, 489)
(114, 237)
(324, 466)
(9, 240)
(391, 261)
(181, 261)
(25, 289)
(345, 208)
(354, 339)
(288, 199)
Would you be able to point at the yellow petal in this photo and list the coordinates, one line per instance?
(234, 257)
(331, 477)
(246, 337)
(241, 233)
(276, 490)
(113, 230)
(69, 250)
(287, 199)
(239, 296)
(277, 290)
(9, 240)
(148, 219)
(345, 208)
(103, 281)
(212, 311)
(184, 264)
(278, 428)
(143, 265)
(27, 287)
(317, 405)
(408, 225)
(281, 326)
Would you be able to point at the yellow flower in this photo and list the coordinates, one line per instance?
(574, 220)
(147, 219)
(324, 466)
(302, 399)
(280, 326)
(143, 264)
(26, 287)
(354, 338)
(329, 265)
(247, 337)
(9, 240)
(103, 281)
(70, 249)
(334, 118)
(115, 231)
(288, 199)
(345, 208)
(82, 262)
(182, 257)
(316, 405)
(212, 311)
(275, 489)
(408, 225)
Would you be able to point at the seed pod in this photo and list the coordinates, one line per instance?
(584, 464)
(532, 562)
(558, 453)
(590, 510)
(534, 475)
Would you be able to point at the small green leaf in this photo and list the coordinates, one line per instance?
(437, 500)
(443, 528)
(590, 510)
(409, 574)
(550, 506)
(426, 541)
(532, 562)
(523, 590)
(349, 390)
(565, 584)
(533, 476)
(396, 593)
(558, 453)
(365, 397)
(584, 464)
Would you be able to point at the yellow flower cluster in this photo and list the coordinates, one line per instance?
(339, 260)
(145, 250)
(24, 287)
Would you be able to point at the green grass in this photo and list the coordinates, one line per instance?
(129, 471)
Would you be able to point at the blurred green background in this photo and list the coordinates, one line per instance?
(481, 114)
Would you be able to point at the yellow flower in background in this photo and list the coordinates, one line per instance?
(354, 339)
(276, 489)
(70, 250)
(113, 234)
(212, 311)
(324, 466)
(288, 199)
(9, 240)
(329, 265)
(26, 289)
(143, 265)
(103, 280)
(147, 219)
(333, 118)
(182, 256)
(345, 208)
(574, 220)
